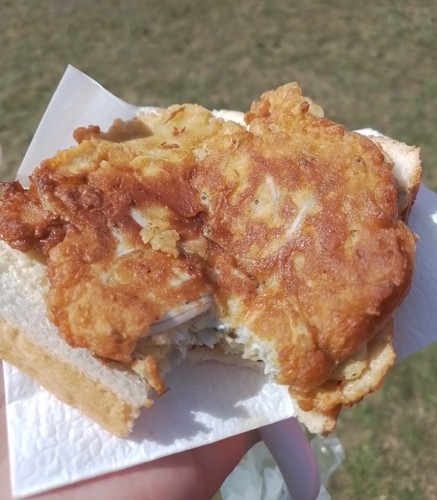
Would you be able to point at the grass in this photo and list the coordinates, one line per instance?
(369, 64)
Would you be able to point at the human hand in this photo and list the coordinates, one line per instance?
(195, 474)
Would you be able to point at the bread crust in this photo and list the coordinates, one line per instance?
(406, 171)
(67, 383)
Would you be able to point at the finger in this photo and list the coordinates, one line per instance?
(174, 477)
(217, 460)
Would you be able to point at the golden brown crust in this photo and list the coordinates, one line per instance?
(110, 278)
(305, 242)
(29, 227)
(67, 383)
(293, 225)
(335, 393)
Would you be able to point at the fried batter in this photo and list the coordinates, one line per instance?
(291, 224)
(100, 199)
(307, 249)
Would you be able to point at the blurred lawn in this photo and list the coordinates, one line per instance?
(368, 64)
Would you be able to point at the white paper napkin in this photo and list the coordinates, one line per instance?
(416, 319)
(51, 444)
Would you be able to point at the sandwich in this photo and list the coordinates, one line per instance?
(274, 239)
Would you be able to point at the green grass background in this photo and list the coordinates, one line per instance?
(367, 63)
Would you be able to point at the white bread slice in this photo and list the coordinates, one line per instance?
(406, 171)
(107, 393)
(110, 395)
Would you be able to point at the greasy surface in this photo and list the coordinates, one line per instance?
(293, 224)
(308, 250)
